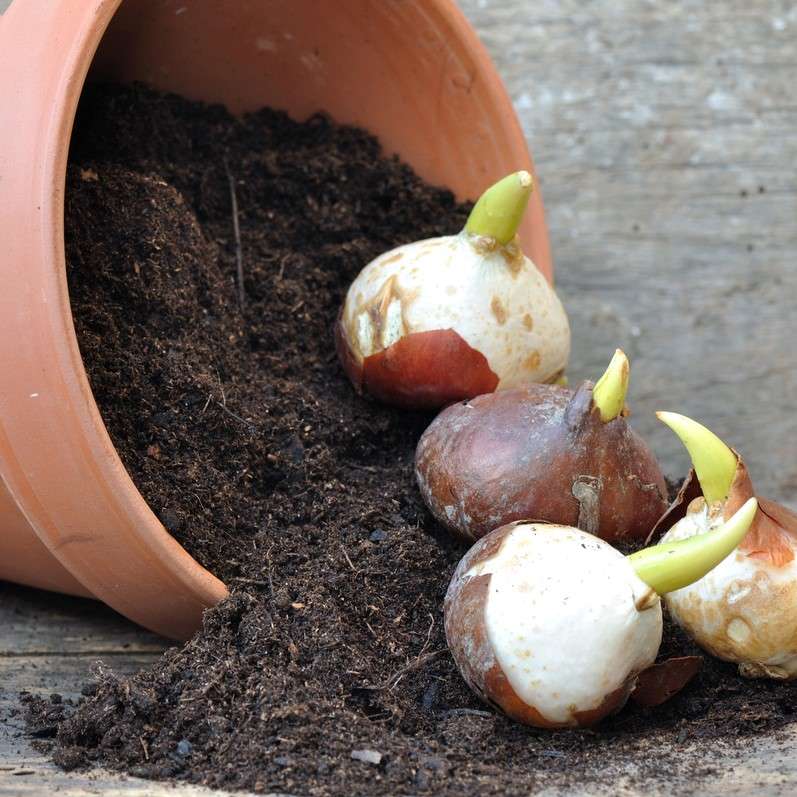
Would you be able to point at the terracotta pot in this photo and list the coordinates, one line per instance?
(413, 72)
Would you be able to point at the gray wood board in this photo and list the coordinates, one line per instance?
(664, 138)
(48, 643)
(664, 135)
(35, 663)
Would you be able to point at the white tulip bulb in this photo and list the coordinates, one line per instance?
(745, 610)
(553, 626)
(453, 317)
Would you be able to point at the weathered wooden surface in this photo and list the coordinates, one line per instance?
(664, 134)
(49, 642)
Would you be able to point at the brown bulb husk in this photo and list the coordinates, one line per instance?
(744, 612)
(664, 680)
(538, 453)
(773, 534)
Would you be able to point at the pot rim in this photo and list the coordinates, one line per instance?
(110, 539)
(139, 560)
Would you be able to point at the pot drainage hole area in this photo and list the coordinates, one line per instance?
(326, 671)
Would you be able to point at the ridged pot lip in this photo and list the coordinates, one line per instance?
(107, 537)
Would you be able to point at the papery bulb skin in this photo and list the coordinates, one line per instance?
(745, 610)
(538, 452)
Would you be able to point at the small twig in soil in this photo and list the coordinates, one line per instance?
(221, 387)
(236, 228)
(268, 572)
(416, 663)
(144, 748)
(252, 427)
(234, 738)
(357, 466)
(471, 712)
(347, 559)
(253, 581)
(282, 268)
(428, 636)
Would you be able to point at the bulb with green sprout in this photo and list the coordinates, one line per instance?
(543, 452)
(745, 610)
(555, 627)
(450, 318)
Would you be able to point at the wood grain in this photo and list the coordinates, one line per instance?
(664, 138)
(49, 642)
(664, 134)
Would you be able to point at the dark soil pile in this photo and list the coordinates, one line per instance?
(326, 672)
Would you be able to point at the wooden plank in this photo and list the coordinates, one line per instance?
(34, 622)
(49, 643)
(48, 780)
(664, 136)
(43, 675)
(26, 771)
(28, 775)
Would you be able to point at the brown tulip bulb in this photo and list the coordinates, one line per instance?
(542, 452)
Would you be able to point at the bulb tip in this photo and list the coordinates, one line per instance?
(669, 418)
(714, 463)
(499, 210)
(670, 566)
(611, 389)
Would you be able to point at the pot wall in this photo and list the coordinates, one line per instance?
(411, 72)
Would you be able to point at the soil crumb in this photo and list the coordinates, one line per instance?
(326, 672)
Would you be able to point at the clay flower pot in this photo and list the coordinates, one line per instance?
(413, 73)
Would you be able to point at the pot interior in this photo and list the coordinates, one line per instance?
(414, 74)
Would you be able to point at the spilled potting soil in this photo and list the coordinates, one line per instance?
(326, 672)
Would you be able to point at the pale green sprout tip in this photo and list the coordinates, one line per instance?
(673, 565)
(611, 389)
(499, 210)
(714, 463)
